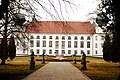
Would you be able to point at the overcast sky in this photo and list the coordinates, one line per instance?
(77, 10)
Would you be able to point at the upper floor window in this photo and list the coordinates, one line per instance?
(44, 43)
(56, 44)
(102, 37)
(88, 44)
(38, 37)
(75, 38)
(63, 37)
(82, 44)
(82, 38)
(88, 38)
(96, 45)
(44, 37)
(38, 43)
(31, 37)
(31, 43)
(96, 38)
(69, 38)
(69, 44)
(75, 44)
(50, 43)
(50, 37)
(63, 44)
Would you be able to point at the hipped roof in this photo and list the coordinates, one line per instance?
(62, 27)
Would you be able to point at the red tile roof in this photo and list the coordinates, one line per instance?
(65, 27)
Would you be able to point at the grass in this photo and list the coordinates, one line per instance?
(98, 69)
(18, 68)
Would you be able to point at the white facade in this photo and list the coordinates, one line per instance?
(63, 44)
(66, 44)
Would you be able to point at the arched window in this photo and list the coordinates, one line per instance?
(44, 37)
(38, 37)
(57, 37)
(69, 38)
(50, 37)
(31, 37)
(88, 38)
(63, 37)
(75, 38)
(82, 38)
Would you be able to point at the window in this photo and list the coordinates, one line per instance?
(75, 51)
(82, 44)
(50, 51)
(63, 51)
(101, 45)
(56, 52)
(24, 50)
(69, 38)
(88, 38)
(96, 37)
(95, 45)
(63, 44)
(44, 51)
(31, 37)
(38, 37)
(75, 38)
(37, 51)
(50, 37)
(38, 43)
(75, 44)
(56, 44)
(44, 37)
(81, 51)
(102, 37)
(69, 44)
(50, 43)
(31, 43)
(63, 37)
(44, 43)
(17, 43)
(31, 50)
(96, 52)
(82, 38)
(69, 51)
(88, 51)
(88, 44)
(57, 37)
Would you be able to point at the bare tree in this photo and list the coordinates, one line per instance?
(14, 14)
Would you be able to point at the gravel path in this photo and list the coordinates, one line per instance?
(57, 71)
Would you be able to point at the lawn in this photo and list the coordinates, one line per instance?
(98, 69)
(18, 68)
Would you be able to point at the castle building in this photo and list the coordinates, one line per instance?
(63, 38)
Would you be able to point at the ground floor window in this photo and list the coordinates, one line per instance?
(69, 51)
(50, 51)
(88, 51)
